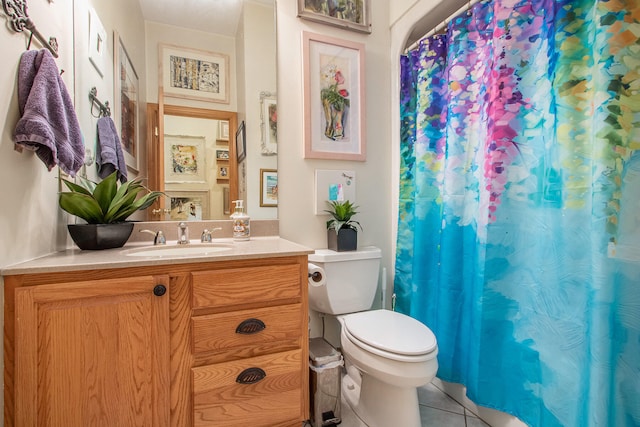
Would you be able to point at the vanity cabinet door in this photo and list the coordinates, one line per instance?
(93, 353)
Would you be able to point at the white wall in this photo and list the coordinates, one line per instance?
(296, 174)
(31, 223)
(30, 218)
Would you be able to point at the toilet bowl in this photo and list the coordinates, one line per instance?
(393, 355)
(387, 354)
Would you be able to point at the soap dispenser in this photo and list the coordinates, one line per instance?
(241, 227)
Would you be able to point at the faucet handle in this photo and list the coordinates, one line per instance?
(183, 233)
(158, 238)
(207, 236)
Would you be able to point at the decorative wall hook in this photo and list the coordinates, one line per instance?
(16, 11)
(105, 110)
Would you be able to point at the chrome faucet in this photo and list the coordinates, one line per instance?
(207, 236)
(158, 238)
(183, 233)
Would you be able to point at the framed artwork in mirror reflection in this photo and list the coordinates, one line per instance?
(223, 131)
(241, 143)
(269, 123)
(268, 188)
(188, 205)
(126, 96)
(194, 74)
(184, 159)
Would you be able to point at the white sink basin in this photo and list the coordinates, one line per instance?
(190, 250)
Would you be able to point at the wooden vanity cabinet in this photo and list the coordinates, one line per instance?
(225, 346)
(241, 345)
(87, 353)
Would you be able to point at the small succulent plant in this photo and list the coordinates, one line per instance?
(341, 213)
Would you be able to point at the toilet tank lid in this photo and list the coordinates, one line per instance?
(391, 331)
(327, 255)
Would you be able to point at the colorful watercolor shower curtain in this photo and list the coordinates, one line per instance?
(519, 211)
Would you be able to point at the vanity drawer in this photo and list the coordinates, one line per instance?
(224, 331)
(220, 400)
(261, 284)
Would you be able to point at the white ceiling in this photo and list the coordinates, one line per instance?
(212, 16)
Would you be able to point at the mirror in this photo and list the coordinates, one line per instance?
(201, 132)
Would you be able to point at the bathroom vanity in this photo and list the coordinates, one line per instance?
(105, 338)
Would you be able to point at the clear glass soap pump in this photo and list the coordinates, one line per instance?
(241, 226)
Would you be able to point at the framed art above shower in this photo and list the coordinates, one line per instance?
(351, 15)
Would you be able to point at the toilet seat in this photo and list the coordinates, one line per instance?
(391, 335)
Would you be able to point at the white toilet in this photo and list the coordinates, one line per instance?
(388, 354)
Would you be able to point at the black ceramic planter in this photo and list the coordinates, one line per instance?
(100, 236)
(345, 240)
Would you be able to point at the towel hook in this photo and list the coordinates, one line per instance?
(103, 109)
(16, 11)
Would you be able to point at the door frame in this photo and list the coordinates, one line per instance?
(155, 151)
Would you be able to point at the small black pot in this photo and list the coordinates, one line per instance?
(345, 240)
(100, 236)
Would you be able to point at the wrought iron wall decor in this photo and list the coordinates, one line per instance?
(16, 11)
(104, 109)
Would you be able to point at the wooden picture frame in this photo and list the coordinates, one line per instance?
(241, 143)
(184, 159)
(268, 187)
(334, 98)
(194, 74)
(222, 172)
(222, 155)
(126, 96)
(188, 205)
(351, 15)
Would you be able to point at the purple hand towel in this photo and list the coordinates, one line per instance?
(110, 157)
(48, 124)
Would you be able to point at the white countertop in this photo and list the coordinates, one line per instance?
(76, 259)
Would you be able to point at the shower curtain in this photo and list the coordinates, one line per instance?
(519, 212)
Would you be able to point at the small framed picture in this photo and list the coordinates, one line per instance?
(97, 42)
(268, 187)
(194, 74)
(351, 15)
(223, 172)
(269, 123)
(241, 143)
(223, 130)
(184, 159)
(188, 205)
(126, 88)
(222, 154)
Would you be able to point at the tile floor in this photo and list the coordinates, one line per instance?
(436, 410)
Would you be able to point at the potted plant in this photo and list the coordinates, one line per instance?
(105, 206)
(342, 230)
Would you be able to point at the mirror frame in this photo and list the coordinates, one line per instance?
(155, 151)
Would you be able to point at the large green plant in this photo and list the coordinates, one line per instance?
(106, 202)
(341, 214)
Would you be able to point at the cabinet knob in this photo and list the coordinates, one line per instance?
(159, 290)
(251, 376)
(250, 326)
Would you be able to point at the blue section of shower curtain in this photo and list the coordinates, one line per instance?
(519, 212)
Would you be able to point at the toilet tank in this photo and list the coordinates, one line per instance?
(351, 280)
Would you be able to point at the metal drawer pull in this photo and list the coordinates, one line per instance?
(250, 326)
(251, 376)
